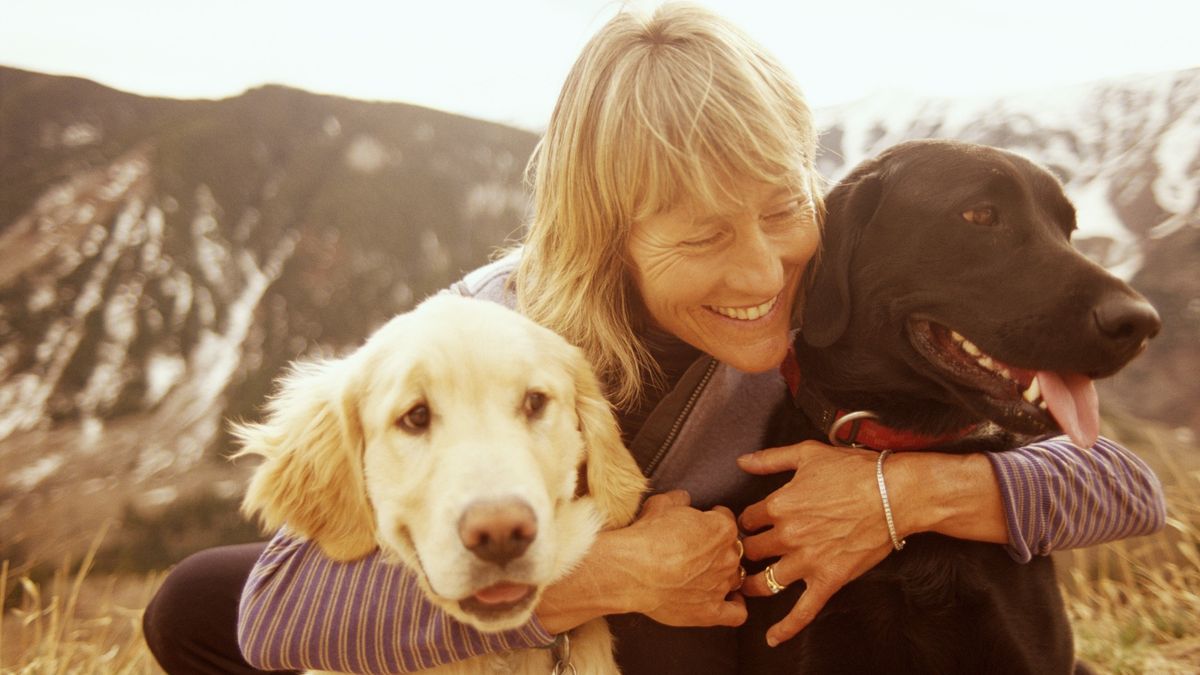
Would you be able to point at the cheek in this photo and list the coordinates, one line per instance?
(801, 246)
(394, 477)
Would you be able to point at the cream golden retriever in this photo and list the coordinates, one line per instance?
(469, 444)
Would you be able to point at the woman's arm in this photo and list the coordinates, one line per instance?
(1043, 497)
(828, 524)
(300, 609)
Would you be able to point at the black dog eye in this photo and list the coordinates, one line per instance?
(416, 420)
(984, 215)
(535, 402)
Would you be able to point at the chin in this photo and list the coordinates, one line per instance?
(758, 359)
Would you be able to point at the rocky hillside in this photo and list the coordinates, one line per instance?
(161, 260)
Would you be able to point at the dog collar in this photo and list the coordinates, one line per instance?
(857, 429)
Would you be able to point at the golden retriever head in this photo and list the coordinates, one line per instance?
(453, 440)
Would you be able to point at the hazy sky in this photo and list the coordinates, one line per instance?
(505, 59)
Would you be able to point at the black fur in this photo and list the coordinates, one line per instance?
(897, 247)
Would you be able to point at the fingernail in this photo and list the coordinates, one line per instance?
(772, 642)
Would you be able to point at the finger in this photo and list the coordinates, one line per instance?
(663, 500)
(811, 601)
(771, 460)
(732, 612)
(757, 516)
(786, 573)
(724, 510)
(766, 544)
(739, 578)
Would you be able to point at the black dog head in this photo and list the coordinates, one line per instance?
(947, 288)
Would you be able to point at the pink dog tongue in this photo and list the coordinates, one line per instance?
(502, 593)
(1074, 404)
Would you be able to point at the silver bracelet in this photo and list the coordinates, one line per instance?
(897, 542)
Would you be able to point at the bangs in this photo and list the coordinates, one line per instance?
(681, 139)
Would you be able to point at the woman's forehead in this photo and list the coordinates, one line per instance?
(743, 196)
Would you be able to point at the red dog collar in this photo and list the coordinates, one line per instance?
(860, 428)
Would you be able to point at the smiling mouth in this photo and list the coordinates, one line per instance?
(745, 313)
(1021, 399)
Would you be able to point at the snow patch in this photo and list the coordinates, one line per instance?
(366, 154)
(163, 371)
(80, 134)
(31, 476)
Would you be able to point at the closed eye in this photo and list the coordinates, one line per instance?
(703, 242)
(792, 210)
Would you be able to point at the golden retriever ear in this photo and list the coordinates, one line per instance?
(312, 480)
(614, 480)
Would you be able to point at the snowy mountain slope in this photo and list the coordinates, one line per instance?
(161, 261)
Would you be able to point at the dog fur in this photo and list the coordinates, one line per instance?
(929, 237)
(448, 415)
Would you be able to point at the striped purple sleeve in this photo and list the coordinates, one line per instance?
(1057, 496)
(300, 609)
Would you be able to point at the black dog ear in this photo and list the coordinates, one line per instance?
(850, 206)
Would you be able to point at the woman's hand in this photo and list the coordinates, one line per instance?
(690, 563)
(826, 525)
(675, 564)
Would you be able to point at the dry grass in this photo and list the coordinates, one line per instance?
(74, 624)
(1135, 604)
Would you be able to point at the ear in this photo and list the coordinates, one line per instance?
(614, 480)
(312, 480)
(850, 206)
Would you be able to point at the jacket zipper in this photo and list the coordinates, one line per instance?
(679, 419)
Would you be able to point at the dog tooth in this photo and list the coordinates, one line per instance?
(1006, 373)
(987, 362)
(1033, 393)
(1043, 405)
(970, 348)
(954, 335)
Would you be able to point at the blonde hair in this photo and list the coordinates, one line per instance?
(661, 110)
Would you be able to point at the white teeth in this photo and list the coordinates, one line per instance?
(1033, 393)
(970, 348)
(987, 362)
(746, 313)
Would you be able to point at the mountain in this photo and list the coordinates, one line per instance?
(1128, 152)
(161, 261)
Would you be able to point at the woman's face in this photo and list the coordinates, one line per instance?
(725, 283)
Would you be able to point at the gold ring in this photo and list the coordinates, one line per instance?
(741, 577)
(772, 585)
(741, 548)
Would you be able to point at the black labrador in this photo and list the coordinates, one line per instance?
(948, 295)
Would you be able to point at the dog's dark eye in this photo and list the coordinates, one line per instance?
(415, 420)
(535, 401)
(984, 215)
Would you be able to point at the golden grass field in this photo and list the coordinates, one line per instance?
(1135, 604)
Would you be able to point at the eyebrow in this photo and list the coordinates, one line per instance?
(783, 193)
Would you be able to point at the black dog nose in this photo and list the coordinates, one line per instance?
(1126, 320)
(498, 530)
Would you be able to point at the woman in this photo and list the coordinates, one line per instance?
(676, 209)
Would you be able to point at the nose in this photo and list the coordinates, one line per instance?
(498, 530)
(755, 266)
(1126, 321)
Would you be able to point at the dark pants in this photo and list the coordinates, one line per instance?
(191, 623)
(191, 626)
